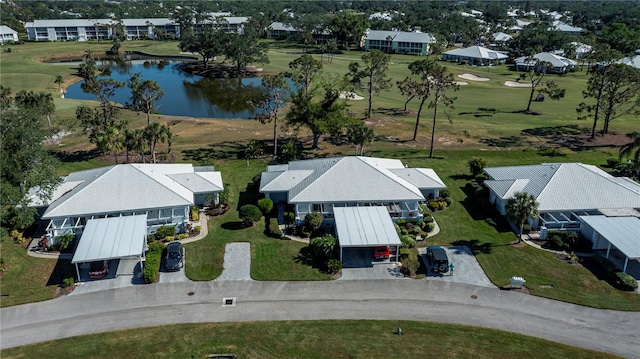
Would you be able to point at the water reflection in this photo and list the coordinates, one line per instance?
(185, 94)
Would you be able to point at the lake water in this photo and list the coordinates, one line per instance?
(184, 94)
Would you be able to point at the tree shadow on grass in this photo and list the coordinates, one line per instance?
(306, 257)
(214, 151)
(461, 176)
(61, 270)
(75, 156)
(504, 141)
(250, 195)
(233, 226)
(475, 246)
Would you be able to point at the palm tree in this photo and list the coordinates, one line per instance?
(88, 54)
(519, 208)
(154, 133)
(111, 139)
(59, 81)
(632, 149)
(138, 142)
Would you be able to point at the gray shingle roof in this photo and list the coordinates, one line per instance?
(565, 186)
(555, 60)
(348, 179)
(400, 36)
(130, 187)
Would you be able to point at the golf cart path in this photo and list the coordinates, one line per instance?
(435, 301)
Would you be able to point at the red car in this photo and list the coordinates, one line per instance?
(382, 252)
(98, 269)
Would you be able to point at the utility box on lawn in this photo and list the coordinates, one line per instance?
(517, 282)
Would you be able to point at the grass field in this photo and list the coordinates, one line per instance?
(494, 135)
(304, 339)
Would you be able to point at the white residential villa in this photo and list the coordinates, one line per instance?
(633, 61)
(97, 29)
(359, 197)
(321, 185)
(399, 42)
(575, 197)
(560, 64)
(8, 34)
(161, 193)
(475, 55)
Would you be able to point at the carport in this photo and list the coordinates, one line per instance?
(621, 232)
(360, 227)
(111, 238)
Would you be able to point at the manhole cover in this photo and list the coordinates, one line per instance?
(474, 297)
(229, 302)
(190, 293)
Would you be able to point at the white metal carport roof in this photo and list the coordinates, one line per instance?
(365, 227)
(111, 238)
(622, 232)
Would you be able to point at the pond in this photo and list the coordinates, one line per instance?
(184, 94)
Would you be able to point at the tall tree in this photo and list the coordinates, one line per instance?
(442, 80)
(208, 42)
(535, 74)
(246, 49)
(423, 69)
(111, 140)
(305, 68)
(41, 103)
(144, 94)
(348, 28)
(154, 133)
(409, 89)
(632, 149)
(519, 208)
(374, 73)
(616, 90)
(24, 164)
(277, 93)
(59, 80)
(360, 135)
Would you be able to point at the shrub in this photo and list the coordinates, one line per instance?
(223, 197)
(265, 205)
(324, 247)
(150, 238)
(445, 193)
(249, 214)
(313, 221)
(254, 149)
(433, 205)
(416, 230)
(289, 217)
(169, 238)
(17, 236)
(289, 152)
(448, 201)
(410, 263)
(164, 232)
(68, 282)
(556, 242)
(62, 242)
(476, 166)
(194, 213)
(429, 227)
(334, 266)
(150, 272)
(612, 162)
(407, 242)
(197, 229)
(442, 205)
(404, 252)
(274, 230)
(397, 227)
(480, 178)
(182, 236)
(625, 281)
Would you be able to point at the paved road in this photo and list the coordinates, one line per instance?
(437, 301)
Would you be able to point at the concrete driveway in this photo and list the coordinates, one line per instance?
(174, 276)
(467, 270)
(237, 262)
(377, 271)
(123, 272)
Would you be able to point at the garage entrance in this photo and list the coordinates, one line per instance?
(360, 230)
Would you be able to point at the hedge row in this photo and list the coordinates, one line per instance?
(619, 279)
(151, 270)
(273, 230)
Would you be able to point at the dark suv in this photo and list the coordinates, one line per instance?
(438, 259)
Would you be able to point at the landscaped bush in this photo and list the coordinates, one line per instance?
(249, 214)
(197, 229)
(265, 205)
(568, 241)
(17, 236)
(429, 227)
(254, 149)
(445, 193)
(407, 242)
(151, 269)
(480, 178)
(274, 230)
(313, 221)
(410, 263)
(616, 277)
(433, 205)
(324, 247)
(476, 166)
(334, 266)
(289, 218)
(68, 282)
(182, 236)
(151, 238)
(397, 227)
(164, 232)
(62, 242)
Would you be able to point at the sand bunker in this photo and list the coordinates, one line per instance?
(350, 96)
(516, 84)
(472, 77)
(460, 83)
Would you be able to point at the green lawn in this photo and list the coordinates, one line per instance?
(305, 339)
(471, 133)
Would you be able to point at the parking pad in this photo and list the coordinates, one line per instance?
(237, 262)
(466, 268)
(123, 272)
(377, 271)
